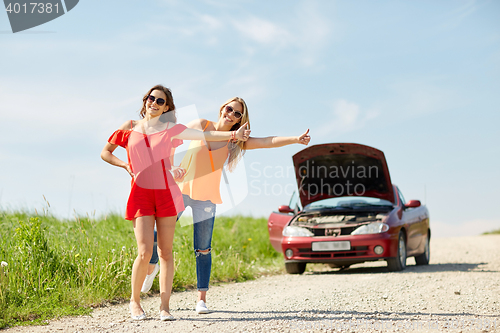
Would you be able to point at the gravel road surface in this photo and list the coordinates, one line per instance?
(458, 292)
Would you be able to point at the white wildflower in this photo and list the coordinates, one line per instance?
(89, 260)
(4, 264)
(124, 248)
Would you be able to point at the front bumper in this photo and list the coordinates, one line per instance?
(362, 248)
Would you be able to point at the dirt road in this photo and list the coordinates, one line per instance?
(458, 292)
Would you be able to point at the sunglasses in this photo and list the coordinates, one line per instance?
(159, 101)
(237, 114)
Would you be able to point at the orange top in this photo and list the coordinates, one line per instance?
(203, 171)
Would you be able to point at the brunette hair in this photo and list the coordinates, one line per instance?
(236, 150)
(169, 101)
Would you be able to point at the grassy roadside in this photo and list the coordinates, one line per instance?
(53, 267)
(493, 232)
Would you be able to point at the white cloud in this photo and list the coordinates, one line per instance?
(313, 32)
(264, 32)
(454, 18)
(56, 111)
(345, 117)
(308, 32)
(305, 32)
(211, 22)
(190, 24)
(249, 86)
(421, 97)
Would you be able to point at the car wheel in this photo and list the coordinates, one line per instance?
(398, 263)
(423, 259)
(295, 267)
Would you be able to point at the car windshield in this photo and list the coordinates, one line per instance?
(348, 202)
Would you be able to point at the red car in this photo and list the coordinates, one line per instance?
(351, 212)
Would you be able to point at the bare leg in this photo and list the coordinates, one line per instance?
(144, 235)
(165, 227)
(202, 296)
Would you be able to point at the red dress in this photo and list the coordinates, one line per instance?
(153, 191)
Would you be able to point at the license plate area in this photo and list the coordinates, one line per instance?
(331, 246)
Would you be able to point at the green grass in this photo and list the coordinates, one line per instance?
(59, 267)
(493, 232)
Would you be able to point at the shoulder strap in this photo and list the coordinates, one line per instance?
(131, 124)
(206, 125)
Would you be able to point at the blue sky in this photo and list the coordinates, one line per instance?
(417, 80)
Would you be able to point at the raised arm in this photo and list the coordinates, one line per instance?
(196, 124)
(191, 134)
(277, 141)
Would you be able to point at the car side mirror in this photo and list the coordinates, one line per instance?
(413, 204)
(285, 209)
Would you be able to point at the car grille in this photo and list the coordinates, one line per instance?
(333, 231)
(356, 251)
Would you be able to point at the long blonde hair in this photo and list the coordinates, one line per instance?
(236, 150)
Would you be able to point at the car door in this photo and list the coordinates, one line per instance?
(275, 224)
(277, 221)
(411, 218)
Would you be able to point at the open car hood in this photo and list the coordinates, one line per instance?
(341, 169)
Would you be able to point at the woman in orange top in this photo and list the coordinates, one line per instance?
(154, 196)
(200, 175)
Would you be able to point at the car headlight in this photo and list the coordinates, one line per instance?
(371, 228)
(292, 231)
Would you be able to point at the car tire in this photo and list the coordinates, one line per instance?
(424, 258)
(399, 262)
(295, 267)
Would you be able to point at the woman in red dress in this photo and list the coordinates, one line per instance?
(154, 195)
(199, 177)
